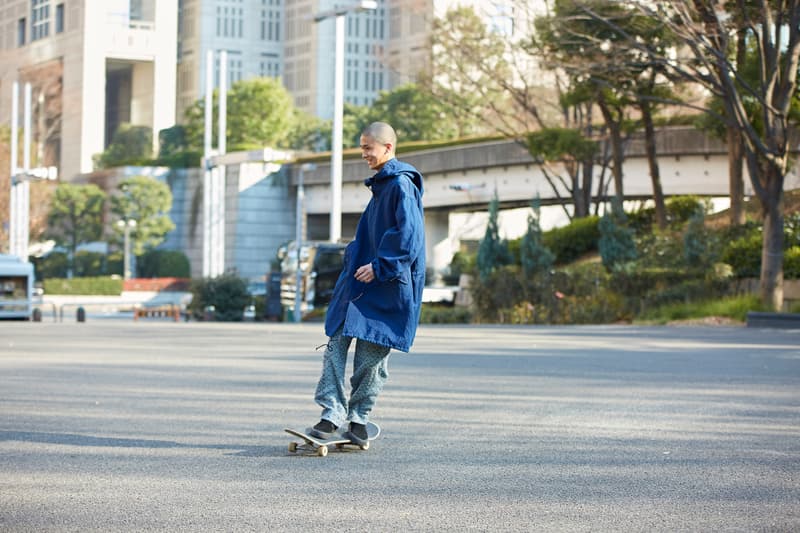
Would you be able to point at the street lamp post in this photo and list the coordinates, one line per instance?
(127, 225)
(19, 192)
(338, 109)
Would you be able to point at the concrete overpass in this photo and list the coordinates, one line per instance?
(463, 179)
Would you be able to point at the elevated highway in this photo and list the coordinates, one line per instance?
(464, 178)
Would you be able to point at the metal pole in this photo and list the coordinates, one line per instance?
(336, 148)
(219, 189)
(299, 243)
(206, 163)
(13, 202)
(25, 186)
(127, 250)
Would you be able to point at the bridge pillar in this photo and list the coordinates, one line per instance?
(438, 250)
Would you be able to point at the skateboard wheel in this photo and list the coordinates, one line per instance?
(364, 446)
(292, 447)
(322, 451)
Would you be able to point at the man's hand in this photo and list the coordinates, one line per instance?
(364, 274)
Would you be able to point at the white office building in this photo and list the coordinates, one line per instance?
(92, 65)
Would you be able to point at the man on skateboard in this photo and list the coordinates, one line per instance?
(378, 295)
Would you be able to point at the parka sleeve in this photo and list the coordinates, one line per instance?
(403, 242)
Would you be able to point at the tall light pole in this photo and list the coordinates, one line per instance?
(127, 225)
(338, 109)
(19, 194)
(213, 173)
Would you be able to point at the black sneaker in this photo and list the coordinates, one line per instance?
(324, 429)
(357, 433)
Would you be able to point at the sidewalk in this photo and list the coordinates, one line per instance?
(64, 307)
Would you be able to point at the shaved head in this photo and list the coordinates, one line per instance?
(381, 132)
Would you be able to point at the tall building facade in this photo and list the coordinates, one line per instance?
(92, 65)
(251, 31)
(279, 38)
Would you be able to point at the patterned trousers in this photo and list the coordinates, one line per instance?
(370, 372)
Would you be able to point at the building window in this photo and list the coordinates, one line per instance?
(21, 25)
(40, 19)
(502, 19)
(60, 18)
(230, 21)
(270, 23)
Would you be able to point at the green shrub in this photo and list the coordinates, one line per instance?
(574, 240)
(744, 256)
(660, 250)
(54, 265)
(734, 307)
(638, 282)
(462, 263)
(114, 263)
(496, 294)
(227, 293)
(163, 264)
(791, 263)
(698, 248)
(642, 220)
(104, 286)
(444, 314)
(616, 243)
(89, 264)
(682, 208)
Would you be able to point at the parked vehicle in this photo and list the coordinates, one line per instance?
(320, 266)
(16, 288)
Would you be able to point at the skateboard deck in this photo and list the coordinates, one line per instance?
(338, 440)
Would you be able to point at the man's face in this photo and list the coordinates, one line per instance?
(375, 153)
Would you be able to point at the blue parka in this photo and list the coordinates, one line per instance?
(391, 236)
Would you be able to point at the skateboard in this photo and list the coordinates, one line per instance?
(338, 440)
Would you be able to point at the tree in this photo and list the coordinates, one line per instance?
(616, 244)
(492, 251)
(415, 115)
(147, 201)
(536, 258)
(706, 33)
(130, 145)
(501, 80)
(617, 79)
(572, 150)
(260, 113)
(76, 217)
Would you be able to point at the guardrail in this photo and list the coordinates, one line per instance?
(84, 305)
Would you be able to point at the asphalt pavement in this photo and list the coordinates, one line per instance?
(113, 425)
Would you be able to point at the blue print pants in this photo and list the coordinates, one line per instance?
(370, 372)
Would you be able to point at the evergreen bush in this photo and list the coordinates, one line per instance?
(493, 251)
(90, 264)
(53, 265)
(163, 264)
(227, 293)
(744, 256)
(535, 257)
(616, 243)
(574, 240)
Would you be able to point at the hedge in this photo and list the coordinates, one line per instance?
(98, 286)
(574, 240)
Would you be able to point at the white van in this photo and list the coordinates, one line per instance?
(16, 288)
